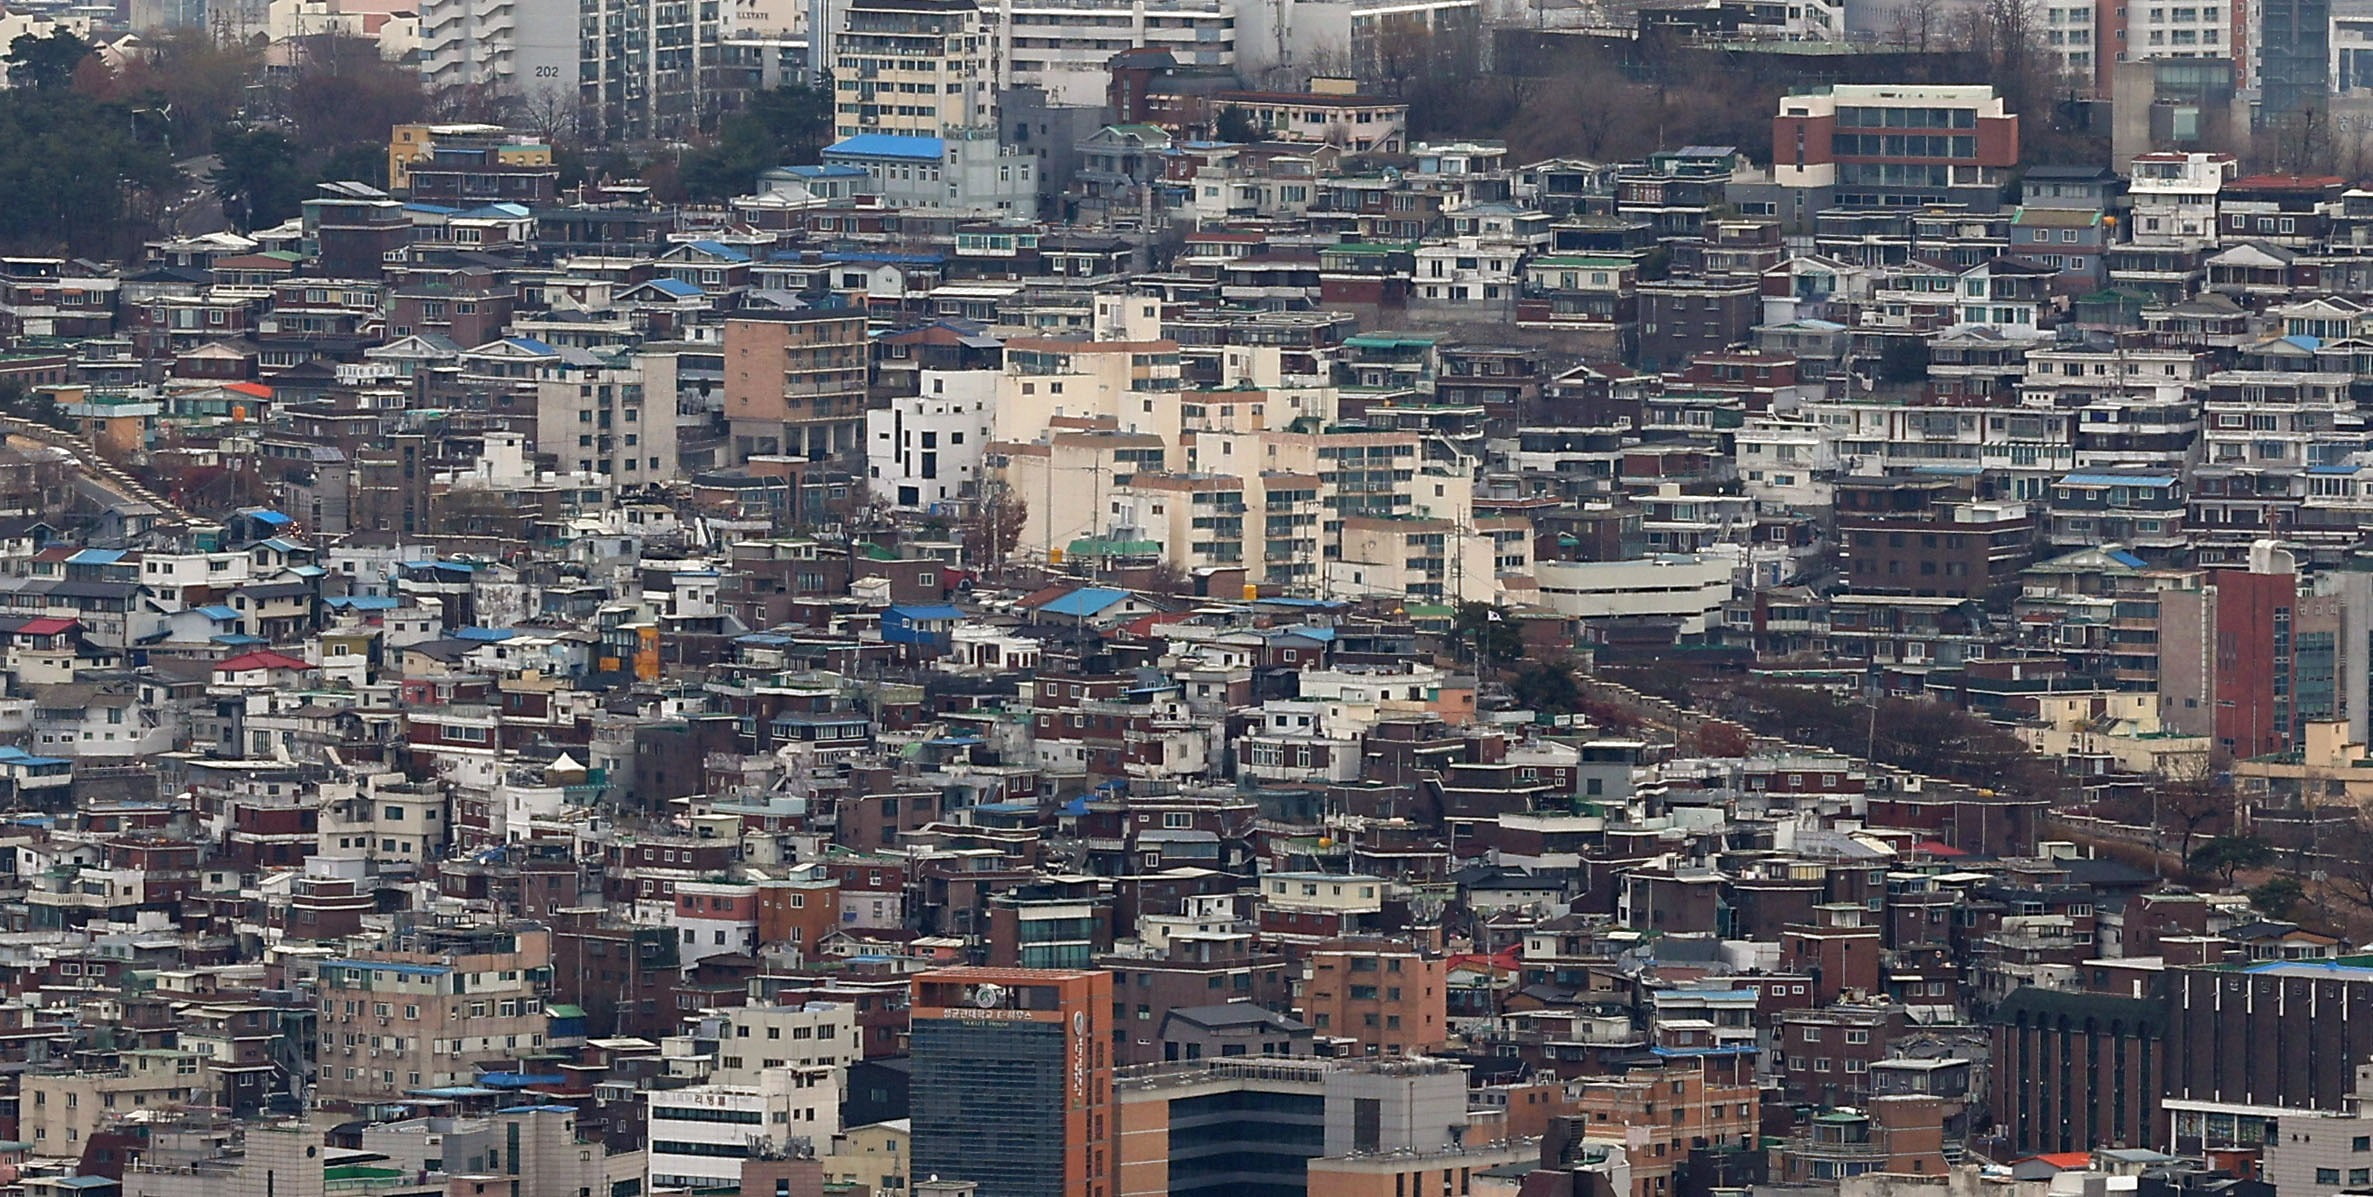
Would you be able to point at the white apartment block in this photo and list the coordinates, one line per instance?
(1063, 46)
(2175, 197)
(505, 46)
(700, 1135)
(925, 450)
(610, 419)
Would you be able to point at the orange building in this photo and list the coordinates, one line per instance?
(1012, 1080)
(1388, 996)
(1412, 1173)
(797, 914)
(1661, 1112)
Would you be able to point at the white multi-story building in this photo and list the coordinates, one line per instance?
(2071, 32)
(700, 1135)
(754, 1041)
(925, 450)
(503, 46)
(1283, 44)
(2181, 29)
(1063, 46)
(615, 418)
(1689, 587)
(2175, 197)
(1786, 463)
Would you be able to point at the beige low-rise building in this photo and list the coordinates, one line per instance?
(56, 1112)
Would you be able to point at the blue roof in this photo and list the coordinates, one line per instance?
(719, 249)
(888, 145)
(2127, 559)
(18, 756)
(2082, 479)
(237, 640)
(362, 602)
(519, 1080)
(2306, 342)
(216, 611)
(677, 287)
(96, 557)
(280, 543)
(1087, 600)
(531, 344)
(927, 611)
(2333, 469)
(487, 634)
(268, 516)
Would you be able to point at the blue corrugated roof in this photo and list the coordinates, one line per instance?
(531, 344)
(1087, 600)
(2127, 559)
(677, 287)
(96, 557)
(719, 249)
(927, 611)
(267, 516)
(216, 611)
(888, 145)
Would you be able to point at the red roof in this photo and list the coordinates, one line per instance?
(261, 659)
(47, 625)
(254, 390)
(1937, 848)
(2066, 1160)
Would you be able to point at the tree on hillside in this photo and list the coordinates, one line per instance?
(2278, 897)
(1547, 687)
(342, 93)
(77, 175)
(46, 63)
(1236, 125)
(2229, 854)
(189, 79)
(789, 126)
(260, 177)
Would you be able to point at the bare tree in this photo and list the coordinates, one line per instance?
(554, 111)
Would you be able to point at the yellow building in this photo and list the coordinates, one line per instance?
(407, 144)
(873, 1155)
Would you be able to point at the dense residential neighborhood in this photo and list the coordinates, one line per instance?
(1220, 598)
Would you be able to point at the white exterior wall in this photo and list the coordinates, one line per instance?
(1690, 588)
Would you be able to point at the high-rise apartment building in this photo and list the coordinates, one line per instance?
(1012, 1083)
(501, 46)
(648, 68)
(918, 67)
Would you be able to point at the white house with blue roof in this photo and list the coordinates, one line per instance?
(940, 172)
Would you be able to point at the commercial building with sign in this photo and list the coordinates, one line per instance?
(1012, 1080)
